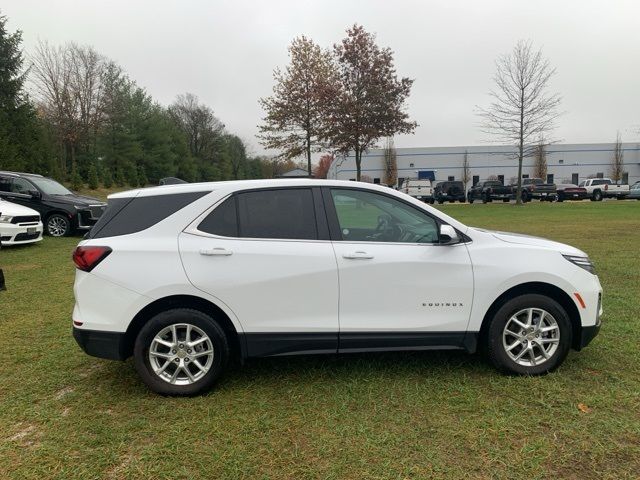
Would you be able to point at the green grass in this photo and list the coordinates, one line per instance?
(408, 415)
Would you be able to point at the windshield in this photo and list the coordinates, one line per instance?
(49, 186)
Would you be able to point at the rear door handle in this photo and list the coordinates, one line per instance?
(216, 251)
(359, 255)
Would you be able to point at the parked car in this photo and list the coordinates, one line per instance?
(19, 225)
(2, 283)
(62, 211)
(569, 191)
(419, 189)
(450, 191)
(183, 277)
(634, 191)
(490, 190)
(599, 188)
(536, 188)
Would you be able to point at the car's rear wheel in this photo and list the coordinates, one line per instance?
(529, 335)
(597, 196)
(58, 225)
(181, 352)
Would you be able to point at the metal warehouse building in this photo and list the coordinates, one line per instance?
(567, 163)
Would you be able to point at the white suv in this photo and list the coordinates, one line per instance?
(18, 224)
(184, 276)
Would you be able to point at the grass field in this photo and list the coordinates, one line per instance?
(406, 415)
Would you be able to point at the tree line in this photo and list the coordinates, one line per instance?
(68, 112)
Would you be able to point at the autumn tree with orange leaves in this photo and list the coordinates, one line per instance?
(295, 113)
(322, 169)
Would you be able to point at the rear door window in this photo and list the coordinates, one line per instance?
(278, 214)
(223, 220)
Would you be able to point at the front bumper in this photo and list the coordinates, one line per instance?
(17, 234)
(87, 217)
(587, 334)
(109, 345)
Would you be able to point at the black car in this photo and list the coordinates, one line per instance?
(450, 191)
(490, 190)
(62, 211)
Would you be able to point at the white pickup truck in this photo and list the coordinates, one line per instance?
(419, 189)
(599, 188)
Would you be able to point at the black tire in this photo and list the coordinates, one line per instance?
(471, 199)
(560, 198)
(57, 225)
(496, 350)
(440, 201)
(597, 196)
(505, 200)
(165, 319)
(524, 197)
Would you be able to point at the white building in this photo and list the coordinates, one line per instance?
(567, 163)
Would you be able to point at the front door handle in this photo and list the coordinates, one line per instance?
(216, 251)
(359, 255)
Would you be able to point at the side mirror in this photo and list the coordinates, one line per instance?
(35, 194)
(448, 235)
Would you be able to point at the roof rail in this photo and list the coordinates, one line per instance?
(8, 172)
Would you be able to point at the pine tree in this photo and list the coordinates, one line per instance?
(76, 181)
(107, 178)
(143, 181)
(22, 139)
(92, 177)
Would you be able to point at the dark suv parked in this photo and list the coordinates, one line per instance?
(449, 191)
(62, 211)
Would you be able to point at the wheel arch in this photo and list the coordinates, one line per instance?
(540, 288)
(184, 301)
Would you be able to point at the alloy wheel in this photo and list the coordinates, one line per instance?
(181, 354)
(57, 226)
(531, 337)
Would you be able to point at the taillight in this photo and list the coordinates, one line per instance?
(86, 258)
(606, 187)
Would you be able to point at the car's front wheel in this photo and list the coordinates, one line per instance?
(529, 335)
(58, 225)
(181, 352)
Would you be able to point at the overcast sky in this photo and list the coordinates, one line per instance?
(225, 52)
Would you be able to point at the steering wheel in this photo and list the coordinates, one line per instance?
(386, 230)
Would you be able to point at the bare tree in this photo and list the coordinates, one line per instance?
(390, 163)
(617, 161)
(295, 113)
(68, 85)
(466, 170)
(521, 110)
(540, 161)
(198, 122)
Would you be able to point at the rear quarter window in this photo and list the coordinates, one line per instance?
(131, 215)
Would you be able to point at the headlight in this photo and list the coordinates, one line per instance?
(5, 218)
(582, 262)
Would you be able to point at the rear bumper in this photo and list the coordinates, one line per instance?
(109, 345)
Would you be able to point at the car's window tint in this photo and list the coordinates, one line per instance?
(372, 217)
(278, 213)
(20, 185)
(134, 214)
(222, 220)
(5, 184)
